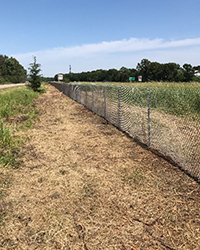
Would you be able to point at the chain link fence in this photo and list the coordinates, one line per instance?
(167, 120)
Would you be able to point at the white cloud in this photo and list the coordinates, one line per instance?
(113, 54)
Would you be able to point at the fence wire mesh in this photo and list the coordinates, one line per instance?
(165, 119)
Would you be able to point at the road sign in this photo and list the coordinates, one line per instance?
(60, 77)
(131, 79)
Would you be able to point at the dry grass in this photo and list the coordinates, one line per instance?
(84, 185)
(147, 84)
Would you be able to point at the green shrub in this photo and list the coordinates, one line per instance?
(35, 78)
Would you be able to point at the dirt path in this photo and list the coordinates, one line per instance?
(5, 86)
(84, 185)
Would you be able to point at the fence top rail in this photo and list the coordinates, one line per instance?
(158, 85)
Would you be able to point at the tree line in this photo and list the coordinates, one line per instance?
(150, 71)
(11, 70)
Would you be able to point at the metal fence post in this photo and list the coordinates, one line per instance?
(86, 96)
(72, 92)
(75, 92)
(62, 87)
(80, 101)
(104, 101)
(68, 89)
(119, 107)
(93, 99)
(149, 118)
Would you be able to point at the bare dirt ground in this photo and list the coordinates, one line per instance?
(85, 185)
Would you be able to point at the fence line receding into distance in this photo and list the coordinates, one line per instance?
(167, 120)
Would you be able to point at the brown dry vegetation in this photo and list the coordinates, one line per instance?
(83, 184)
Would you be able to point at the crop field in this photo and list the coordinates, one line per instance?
(83, 184)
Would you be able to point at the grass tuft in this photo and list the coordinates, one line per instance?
(131, 176)
(8, 146)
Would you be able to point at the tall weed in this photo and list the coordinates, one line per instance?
(16, 111)
(8, 146)
(5, 135)
(175, 101)
(16, 101)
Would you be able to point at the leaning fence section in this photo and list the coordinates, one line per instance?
(166, 120)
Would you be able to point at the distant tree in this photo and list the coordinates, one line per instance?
(155, 71)
(150, 71)
(180, 75)
(188, 72)
(143, 69)
(170, 71)
(2, 59)
(65, 79)
(113, 75)
(35, 77)
(100, 75)
(11, 70)
(124, 74)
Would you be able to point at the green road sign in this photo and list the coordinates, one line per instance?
(131, 79)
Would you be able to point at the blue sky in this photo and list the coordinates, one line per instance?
(99, 34)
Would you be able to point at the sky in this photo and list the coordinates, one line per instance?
(99, 34)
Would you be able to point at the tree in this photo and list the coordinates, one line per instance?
(180, 75)
(35, 77)
(143, 69)
(188, 72)
(124, 74)
(170, 71)
(113, 75)
(2, 60)
(155, 71)
(11, 70)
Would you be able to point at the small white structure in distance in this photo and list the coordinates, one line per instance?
(139, 78)
(60, 77)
